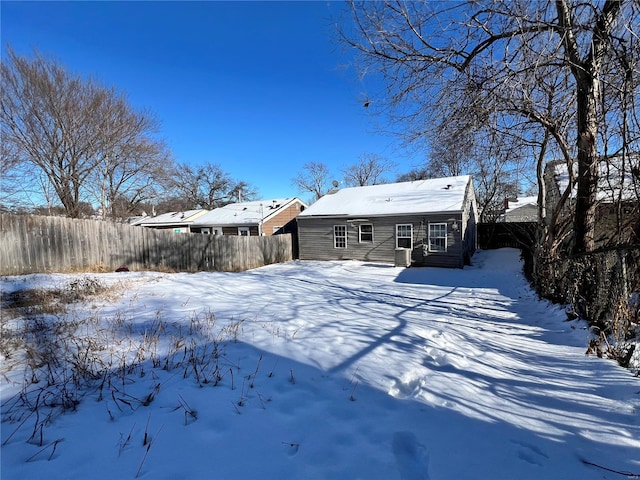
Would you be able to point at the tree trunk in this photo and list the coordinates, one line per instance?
(588, 166)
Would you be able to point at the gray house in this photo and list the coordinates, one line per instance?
(519, 210)
(431, 222)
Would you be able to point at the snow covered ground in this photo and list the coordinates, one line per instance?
(341, 370)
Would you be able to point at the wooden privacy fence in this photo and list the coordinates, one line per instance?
(35, 244)
(509, 234)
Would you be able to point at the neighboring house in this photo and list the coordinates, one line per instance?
(261, 217)
(434, 219)
(515, 227)
(618, 196)
(519, 210)
(179, 222)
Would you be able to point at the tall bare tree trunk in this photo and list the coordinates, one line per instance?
(588, 167)
(586, 72)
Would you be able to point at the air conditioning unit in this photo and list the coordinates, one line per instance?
(403, 257)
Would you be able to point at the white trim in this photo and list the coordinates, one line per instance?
(437, 224)
(367, 233)
(244, 229)
(335, 237)
(410, 225)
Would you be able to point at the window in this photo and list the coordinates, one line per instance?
(366, 233)
(244, 231)
(339, 236)
(404, 236)
(437, 237)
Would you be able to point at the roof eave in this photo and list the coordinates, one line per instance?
(281, 208)
(379, 215)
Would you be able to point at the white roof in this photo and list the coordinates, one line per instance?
(522, 209)
(614, 182)
(172, 218)
(521, 202)
(245, 213)
(420, 196)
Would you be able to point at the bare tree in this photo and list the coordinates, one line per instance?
(418, 173)
(78, 133)
(315, 178)
(132, 166)
(208, 186)
(242, 192)
(369, 170)
(15, 180)
(164, 204)
(495, 52)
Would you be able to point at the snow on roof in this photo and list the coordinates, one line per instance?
(521, 209)
(245, 213)
(420, 196)
(521, 202)
(172, 218)
(615, 178)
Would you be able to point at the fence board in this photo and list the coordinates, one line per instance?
(34, 244)
(512, 234)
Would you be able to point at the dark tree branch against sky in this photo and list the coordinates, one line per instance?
(498, 64)
(259, 88)
(82, 139)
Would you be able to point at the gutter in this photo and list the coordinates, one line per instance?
(378, 215)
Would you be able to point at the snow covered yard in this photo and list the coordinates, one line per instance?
(330, 370)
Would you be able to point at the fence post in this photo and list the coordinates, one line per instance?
(32, 244)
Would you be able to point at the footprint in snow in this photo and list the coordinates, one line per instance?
(411, 456)
(293, 448)
(531, 453)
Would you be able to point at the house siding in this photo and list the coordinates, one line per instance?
(469, 230)
(315, 240)
(526, 213)
(282, 218)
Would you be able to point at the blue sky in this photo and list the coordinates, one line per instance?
(260, 88)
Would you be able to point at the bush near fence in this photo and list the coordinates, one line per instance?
(600, 286)
(39, 244)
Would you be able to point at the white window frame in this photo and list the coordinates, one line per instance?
(438, 235)
(336, 236)
(360, 240)
(403, 226)
(242, 230)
